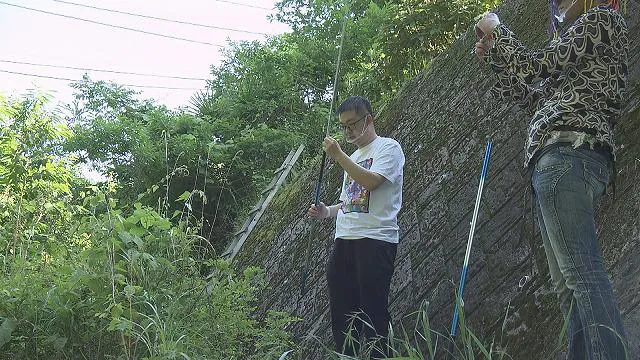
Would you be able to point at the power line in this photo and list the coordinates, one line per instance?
(160, 18)
(74, 80)
(111, 25)
(241, 4)
(101, 70)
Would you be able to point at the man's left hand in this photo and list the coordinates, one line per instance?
(486, 25)
(331, 147)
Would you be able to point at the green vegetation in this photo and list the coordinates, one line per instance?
(86, 277)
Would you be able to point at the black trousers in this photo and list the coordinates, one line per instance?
(359, 276)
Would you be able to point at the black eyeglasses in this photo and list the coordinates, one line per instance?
(350, 125)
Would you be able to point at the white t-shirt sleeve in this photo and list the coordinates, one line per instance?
(389, 162)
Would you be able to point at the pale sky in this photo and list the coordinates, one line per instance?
(33, 37)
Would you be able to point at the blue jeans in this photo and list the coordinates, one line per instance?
(568, 183)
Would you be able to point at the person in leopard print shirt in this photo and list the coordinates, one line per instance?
(573, 91)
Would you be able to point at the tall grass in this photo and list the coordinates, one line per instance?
(421, 342)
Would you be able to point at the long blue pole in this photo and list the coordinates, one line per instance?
(465, 266)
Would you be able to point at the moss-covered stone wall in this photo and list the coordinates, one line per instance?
(442, 119)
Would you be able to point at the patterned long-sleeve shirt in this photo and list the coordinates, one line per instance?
(576, 83)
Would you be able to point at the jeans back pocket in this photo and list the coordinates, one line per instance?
(551, 160)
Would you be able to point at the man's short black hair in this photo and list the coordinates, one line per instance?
(358, 104)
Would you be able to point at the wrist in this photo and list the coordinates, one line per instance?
(342, 158)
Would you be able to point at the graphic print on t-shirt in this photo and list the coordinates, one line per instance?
(357, 195)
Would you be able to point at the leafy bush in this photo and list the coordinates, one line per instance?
(85, 277)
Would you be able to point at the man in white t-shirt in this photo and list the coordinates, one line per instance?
(362, 262)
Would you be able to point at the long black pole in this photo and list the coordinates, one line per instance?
(318, 189)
